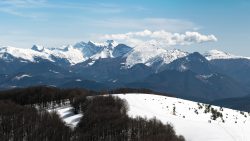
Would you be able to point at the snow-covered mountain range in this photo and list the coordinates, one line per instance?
(82, 51)
(100, 66)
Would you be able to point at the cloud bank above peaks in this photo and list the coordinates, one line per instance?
(161, 38)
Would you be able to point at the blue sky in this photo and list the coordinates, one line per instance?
(59, 22)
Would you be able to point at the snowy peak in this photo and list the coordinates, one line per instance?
(216, 54)
(71, 54)
(173, 55)
(88, 49)
(196, 56)
(149, 55)
(108, 43)
(96, 50)
(38, 48)
(121, 50)
(111, 43)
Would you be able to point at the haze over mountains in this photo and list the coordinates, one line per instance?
(102, 66)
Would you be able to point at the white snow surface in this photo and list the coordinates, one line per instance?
(205, 76)
(19, 77)
(67, 115)
(194, 127)
(216, 54)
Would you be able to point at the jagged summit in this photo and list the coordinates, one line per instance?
(108, 43)
(38, 48)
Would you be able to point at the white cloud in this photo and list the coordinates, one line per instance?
(160, 38)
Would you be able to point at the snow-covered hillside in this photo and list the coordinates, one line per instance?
(193, 120)
(189, 118)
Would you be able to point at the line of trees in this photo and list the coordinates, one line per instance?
(20, 123)
(42, 95)
(132, 90)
